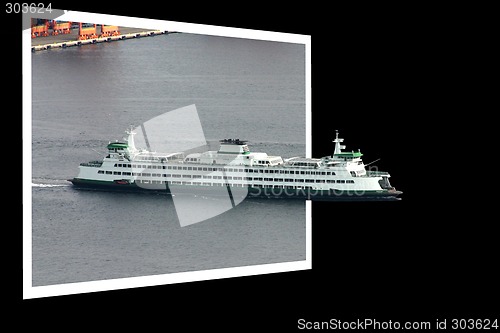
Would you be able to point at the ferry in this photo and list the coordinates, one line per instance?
(236, 170)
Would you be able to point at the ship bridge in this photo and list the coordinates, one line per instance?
(233, 146)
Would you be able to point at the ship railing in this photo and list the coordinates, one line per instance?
(96, 164)
(376, 173)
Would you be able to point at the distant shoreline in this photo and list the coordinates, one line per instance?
(68, 40)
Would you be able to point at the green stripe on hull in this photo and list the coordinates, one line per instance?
(103, 184)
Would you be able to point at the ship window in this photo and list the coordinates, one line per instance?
(115, 165)
(302, 173)
(126, 174)
(186, 176)
(100, 171)
(117, 173)
(308, 172)
(309, 180)
(299, 180)
(320, 180)
(278, 179)
(288, 180)
(207, 177)
(323, 173)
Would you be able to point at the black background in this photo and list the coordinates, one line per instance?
(385, 77)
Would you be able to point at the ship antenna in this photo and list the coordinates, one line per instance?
(338, 146)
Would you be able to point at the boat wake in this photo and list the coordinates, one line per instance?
(49, 183)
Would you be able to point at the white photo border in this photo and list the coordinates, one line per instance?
(172, 278)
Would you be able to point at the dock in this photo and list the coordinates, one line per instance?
(67, 40)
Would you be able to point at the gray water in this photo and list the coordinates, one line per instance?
(84, 97)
